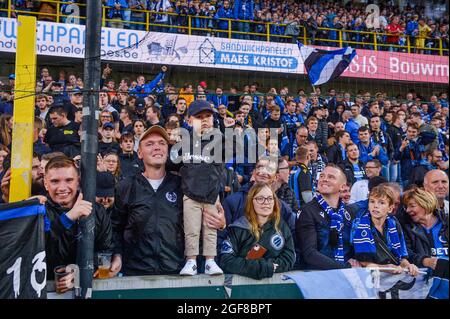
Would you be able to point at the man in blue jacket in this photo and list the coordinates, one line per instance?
(116, 12)
(225, 12)
(368, 149)
(143, 89)
(244, 10)
(351, 126)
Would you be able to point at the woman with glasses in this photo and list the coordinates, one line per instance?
(112, 164)
(259, 243)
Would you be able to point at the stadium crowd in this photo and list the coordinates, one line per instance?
(321, 20)
(341, 179)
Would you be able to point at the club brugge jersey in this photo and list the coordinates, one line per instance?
(439, 243)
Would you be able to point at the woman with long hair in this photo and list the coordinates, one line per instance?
(260, 242)
(112, 164)
(139, 128)
(6, 124)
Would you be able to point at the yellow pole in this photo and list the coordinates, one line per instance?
(9, 8)
(375, 41)
(340, 39)
(23, 132)
(147, 21)
(103, 16)
(229, 28)
(58, 9)
(304, 35)
(268, 32)
(408, 43)
(189, 26)
(441, 52)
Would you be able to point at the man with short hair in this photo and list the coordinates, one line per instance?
(148, 213)
(129, 161)
(432, 160)
(64, 207)
(324, 225)
(436, 181)
(352, 165)
(301, 181)
(317, 163)
(63, 135)
(336, 153)
(428, 133)
(360, 189)
(351, 126)
(368, 149)
(281, 186)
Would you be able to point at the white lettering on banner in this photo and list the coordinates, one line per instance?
(367, 65)
(15, 270)
(39, 265)
(68, 40)
(416, 68)
(73, 11)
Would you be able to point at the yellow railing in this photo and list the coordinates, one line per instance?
(370, 40)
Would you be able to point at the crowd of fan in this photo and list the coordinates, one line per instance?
(285, 18)
(343, 142)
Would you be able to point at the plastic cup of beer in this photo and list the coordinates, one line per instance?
(104, 264)
(60, 272)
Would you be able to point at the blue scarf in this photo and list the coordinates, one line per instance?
(337, 225)
(441, 146)
(364, 243)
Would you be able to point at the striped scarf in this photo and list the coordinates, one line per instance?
(337, 225)
(441, 146)
(316, 168)
(364, 243)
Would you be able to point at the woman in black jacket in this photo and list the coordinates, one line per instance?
(426, 231)
(259, 243)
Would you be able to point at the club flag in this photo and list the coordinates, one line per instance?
(322, 65)
(23, 269)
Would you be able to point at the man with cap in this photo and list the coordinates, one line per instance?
(75, 103)
(147, 216)
(140, 109)
(105, 191)
(107, 143)
(12, 80)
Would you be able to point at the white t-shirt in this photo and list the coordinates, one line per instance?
(155, 183)
(359, 191)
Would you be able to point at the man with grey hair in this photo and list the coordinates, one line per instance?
(436, 181)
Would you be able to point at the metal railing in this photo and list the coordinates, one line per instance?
(207, 25)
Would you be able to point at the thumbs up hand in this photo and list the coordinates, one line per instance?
(81, 208)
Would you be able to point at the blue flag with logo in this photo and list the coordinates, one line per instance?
(323, 66)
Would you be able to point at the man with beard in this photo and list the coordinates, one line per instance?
(324, 225)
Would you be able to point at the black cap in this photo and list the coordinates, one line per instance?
(140, 103)
(198, 106)
(56, 84)
(105, 184)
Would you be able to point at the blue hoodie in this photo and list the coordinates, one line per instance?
(365, 150)
(244, 9)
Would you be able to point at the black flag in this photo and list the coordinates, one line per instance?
(23, 270)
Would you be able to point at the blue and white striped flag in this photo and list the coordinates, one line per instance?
(323, 66)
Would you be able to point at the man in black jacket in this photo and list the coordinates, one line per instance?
(148, 213)
(64, 207)
(317, 238)
(353, 167)
(336, 154)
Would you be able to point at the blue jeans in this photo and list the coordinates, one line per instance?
(244, 27)
(393, 171)
(385, 171)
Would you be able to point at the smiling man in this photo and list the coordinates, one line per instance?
(324, 225)
(147, 215)
(65, 206)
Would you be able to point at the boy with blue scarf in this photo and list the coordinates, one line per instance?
(378, 238)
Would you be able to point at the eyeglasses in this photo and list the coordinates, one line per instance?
(261, 200)
(280, 168)
(371, 167)
(111, 161)
(304, 136)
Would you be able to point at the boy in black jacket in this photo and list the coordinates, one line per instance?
(201, 184)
